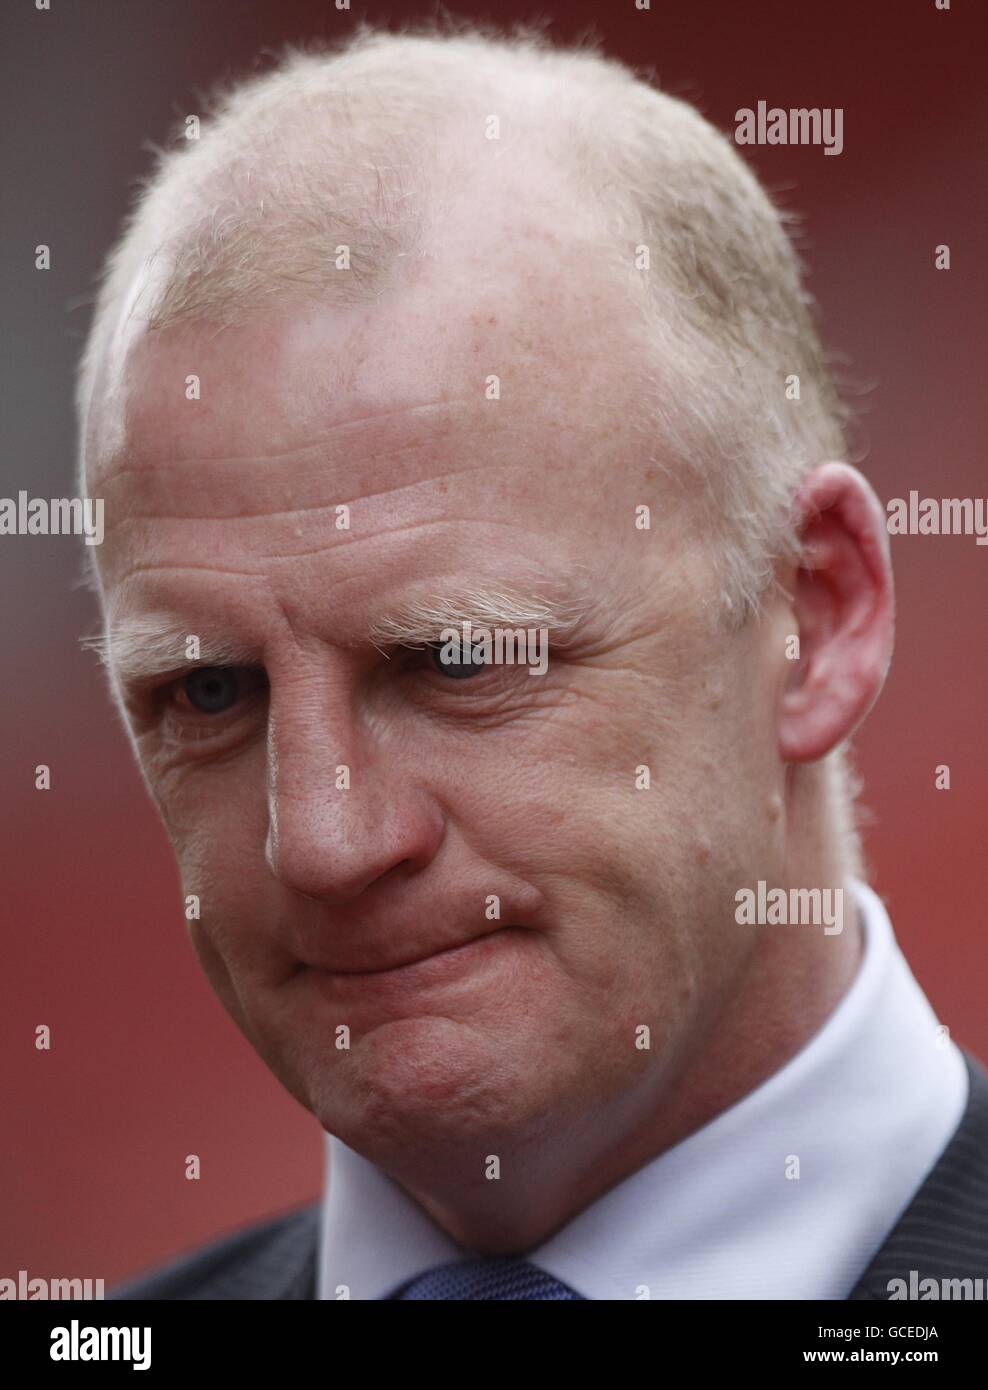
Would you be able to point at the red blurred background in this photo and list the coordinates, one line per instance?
(145, 1067)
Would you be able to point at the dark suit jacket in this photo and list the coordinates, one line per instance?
(943, 1234)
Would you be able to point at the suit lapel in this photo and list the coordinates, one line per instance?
(943, 1233)
(294, 1277)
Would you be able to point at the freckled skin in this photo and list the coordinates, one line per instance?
(221, 513)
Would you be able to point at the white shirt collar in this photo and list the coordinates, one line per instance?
(866, 1106)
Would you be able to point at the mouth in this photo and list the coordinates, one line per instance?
(417, 972)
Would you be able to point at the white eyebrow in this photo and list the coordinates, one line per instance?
(419, 620)
(139, 651)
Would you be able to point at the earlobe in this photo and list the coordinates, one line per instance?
(843, 605)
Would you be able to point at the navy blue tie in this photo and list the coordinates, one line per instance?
(498, 1276)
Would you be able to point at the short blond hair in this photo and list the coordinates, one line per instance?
(341, 146)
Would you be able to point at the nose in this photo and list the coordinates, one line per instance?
(341, 814)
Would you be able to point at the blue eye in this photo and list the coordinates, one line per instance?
(213, 689)
(455, 670)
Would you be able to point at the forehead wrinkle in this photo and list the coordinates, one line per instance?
(349, 541)
(362, 496)
(299, 453)
(357, 474)
(156, 567)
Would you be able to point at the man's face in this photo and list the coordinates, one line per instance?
(366, 908)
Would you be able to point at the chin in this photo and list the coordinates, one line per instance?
(428, 1086)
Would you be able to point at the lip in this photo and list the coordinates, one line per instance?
(421, 973)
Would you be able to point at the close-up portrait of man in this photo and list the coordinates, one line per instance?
(490, 582)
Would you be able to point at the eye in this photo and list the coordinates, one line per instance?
(213, 689)
(453, 667)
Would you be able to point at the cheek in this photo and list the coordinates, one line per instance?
(650, 851)
(215, 814)
(226, 881)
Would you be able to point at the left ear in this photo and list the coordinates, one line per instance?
(843, 604)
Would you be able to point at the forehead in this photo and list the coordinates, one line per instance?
(519, 302)
(473, 415)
